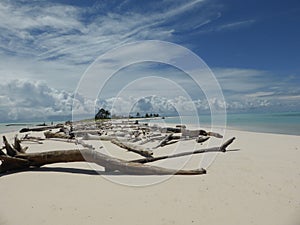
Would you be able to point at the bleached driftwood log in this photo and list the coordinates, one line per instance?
(133, 148)
(21, 161)
(29, 138)
(41, 128)
(15, 157)
(222, 148)
(49, 134)
(202, 139)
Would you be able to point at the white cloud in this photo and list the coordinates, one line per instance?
(56, 42)
(235, 25)
(60, 32)
(260, 94)
(28, 100)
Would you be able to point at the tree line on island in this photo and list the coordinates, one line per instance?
(105, 114)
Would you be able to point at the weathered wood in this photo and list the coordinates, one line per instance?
(88, 136)
(9, 163)
(164, 141)
(49, 134)
(80, 133)
(190, 133)
(1, 152)
(9, 149)
(41, 128)
(149, 139)
(15, 160)
(25, 161)
(18, 147)
(202, 139)
(32, 139)
(214, 134)
(63, 140)
(222, 148)
(133, 148)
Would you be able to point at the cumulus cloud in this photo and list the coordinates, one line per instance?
(28, 100)
(22, 100)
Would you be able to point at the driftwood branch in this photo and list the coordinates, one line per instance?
(17, 145)
(26, 161)
(9, 149)
(41, 128)
(133, 148)
(15, 159)
(222, 148)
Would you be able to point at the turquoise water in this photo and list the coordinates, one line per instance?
(280, 123)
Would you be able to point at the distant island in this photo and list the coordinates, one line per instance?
(105, 114)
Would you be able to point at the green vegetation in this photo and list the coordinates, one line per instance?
(102, 114)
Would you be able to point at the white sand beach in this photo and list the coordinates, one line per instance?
(259, 184)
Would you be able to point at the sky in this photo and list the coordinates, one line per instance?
(46, 47)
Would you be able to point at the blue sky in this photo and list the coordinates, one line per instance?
(253, 48)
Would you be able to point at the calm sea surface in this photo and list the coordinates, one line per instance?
(18, 126)
(280, 123)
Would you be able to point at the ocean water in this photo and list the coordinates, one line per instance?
(16, 127)
(4, 128)
(279, 123)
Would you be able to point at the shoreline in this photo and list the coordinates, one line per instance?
(287, 123)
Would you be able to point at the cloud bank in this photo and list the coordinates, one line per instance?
(27, 100)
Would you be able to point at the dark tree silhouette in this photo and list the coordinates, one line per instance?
(102, 114)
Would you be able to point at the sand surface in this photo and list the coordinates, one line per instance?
(259, 184)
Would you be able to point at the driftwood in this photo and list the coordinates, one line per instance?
(49, 134)
(41, 128)
(17, 145)
(80, 133)
(15, 157)
(222, 148)
(64, 140)
(190, 133)
(202, 139)
(133, 148)
(29, 138)
(152, 137)
(22, 161)
(164, 141)
(88, 136)
(9, 149)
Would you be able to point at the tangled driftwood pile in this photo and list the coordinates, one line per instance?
(128, 135)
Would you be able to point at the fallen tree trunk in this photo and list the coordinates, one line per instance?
(190, 133)
(222, 148)
(133, 148)
(49, 134)
(41, 128)
(20, 161)
(26, 161)
(202, 139)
